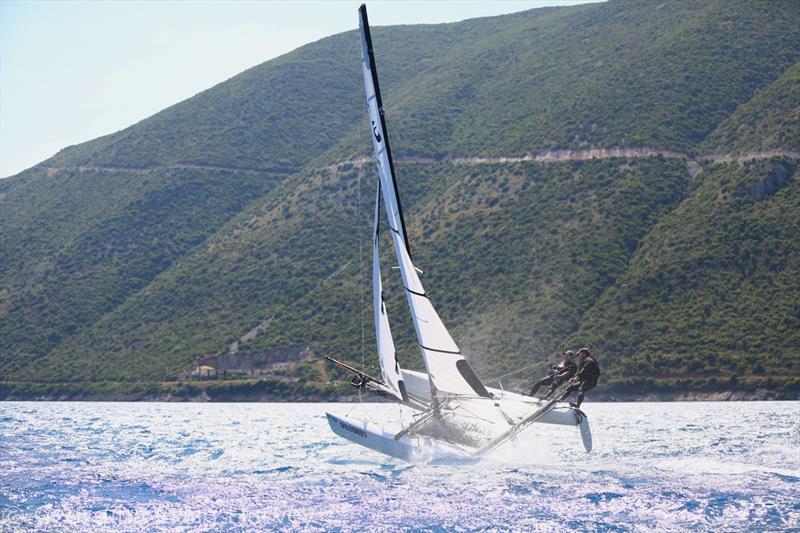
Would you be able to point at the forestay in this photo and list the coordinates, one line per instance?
(449, 372)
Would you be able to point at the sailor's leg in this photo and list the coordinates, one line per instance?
(556, 383)
(584, 387)
(569, 390)
(543, 381)
(580, 399)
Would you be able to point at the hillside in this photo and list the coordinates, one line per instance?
(770, 120)
(230, 223)
(712, 292)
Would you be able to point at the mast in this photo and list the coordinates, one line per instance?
(448, 370)
(378, 126)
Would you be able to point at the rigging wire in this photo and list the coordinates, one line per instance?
(359, 172)
(498, 378)
(474, 415)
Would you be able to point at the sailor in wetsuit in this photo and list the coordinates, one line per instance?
(559, 373)
(586, 379)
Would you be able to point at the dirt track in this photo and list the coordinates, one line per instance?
(548, 156)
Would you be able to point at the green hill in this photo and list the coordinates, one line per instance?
(228, 225)
(712, 293)
(768, 121)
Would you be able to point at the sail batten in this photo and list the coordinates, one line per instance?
(449, 372)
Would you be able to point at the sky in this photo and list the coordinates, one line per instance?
(74, 71)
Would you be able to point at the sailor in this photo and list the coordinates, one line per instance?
(586, 379)
(565, 370)
(559, 372)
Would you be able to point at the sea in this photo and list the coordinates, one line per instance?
(95, 466)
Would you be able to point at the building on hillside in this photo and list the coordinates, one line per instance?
(204, 371)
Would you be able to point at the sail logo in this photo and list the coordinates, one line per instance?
(351, 429)
(375, 132)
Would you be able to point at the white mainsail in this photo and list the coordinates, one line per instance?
(390, 369)
(449, 372)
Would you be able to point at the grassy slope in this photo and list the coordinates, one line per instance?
(224, 288)
(770, 120)
(62, 271)
(612, 74)
(78, 244)
(141, 279)
(538, 218)
(713, 290)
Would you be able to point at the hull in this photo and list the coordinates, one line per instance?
(381, 441)
(407, 448)
(586, 433)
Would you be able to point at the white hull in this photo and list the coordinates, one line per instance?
(514, 406)
(409, 447)
(406, 448)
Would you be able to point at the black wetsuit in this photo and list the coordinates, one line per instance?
(564, 371)
(587, 379)
(558, 374)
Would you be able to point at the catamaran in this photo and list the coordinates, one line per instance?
(455, 413)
